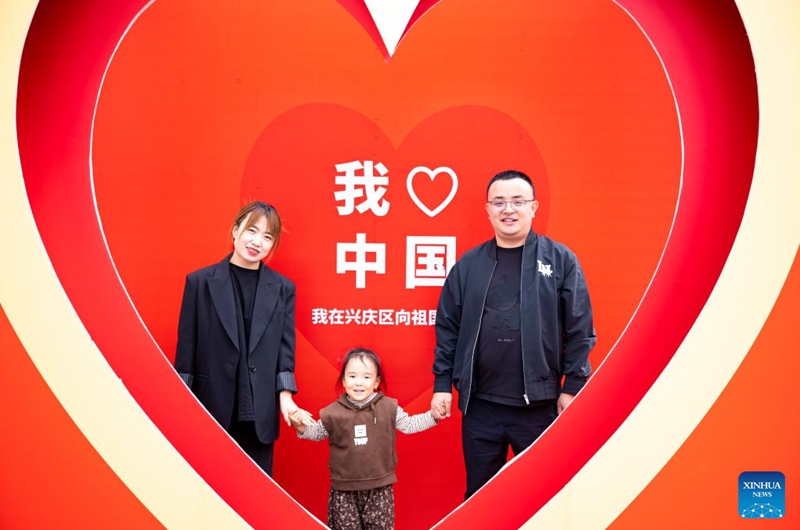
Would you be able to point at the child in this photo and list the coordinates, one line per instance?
(360, 428)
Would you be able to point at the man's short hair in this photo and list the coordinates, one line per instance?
(510, 174)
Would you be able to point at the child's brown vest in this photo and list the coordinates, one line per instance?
(362, 443)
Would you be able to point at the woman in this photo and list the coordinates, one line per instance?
(236, 336)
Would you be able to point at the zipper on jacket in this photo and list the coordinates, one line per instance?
(475, 344)
(521, 327)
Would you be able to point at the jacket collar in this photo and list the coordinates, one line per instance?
(224, 302)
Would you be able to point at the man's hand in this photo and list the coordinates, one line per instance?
(440, 405)
(563, 401)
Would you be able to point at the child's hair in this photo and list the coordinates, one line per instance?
(361, 354)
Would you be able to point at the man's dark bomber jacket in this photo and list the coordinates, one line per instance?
(557, 327)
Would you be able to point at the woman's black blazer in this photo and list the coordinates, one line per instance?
(208, 346)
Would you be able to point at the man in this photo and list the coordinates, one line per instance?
(513, 320)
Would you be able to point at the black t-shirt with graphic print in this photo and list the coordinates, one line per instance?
(498, 362)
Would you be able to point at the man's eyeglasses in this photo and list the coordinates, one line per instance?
(517, 204)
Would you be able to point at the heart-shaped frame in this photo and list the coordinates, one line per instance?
(717, 191)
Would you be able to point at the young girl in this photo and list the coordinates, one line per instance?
(236, 336)
(360, 428)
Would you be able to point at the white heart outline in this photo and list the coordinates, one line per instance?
(432, 174)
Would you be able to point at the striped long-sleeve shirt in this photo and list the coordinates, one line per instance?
(405, 423)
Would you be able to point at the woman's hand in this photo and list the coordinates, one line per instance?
(288, 408)
(287, 405)
(300, 420)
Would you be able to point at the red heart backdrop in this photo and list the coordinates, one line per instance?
(195, 117)
(296, 157)
(475, 142)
